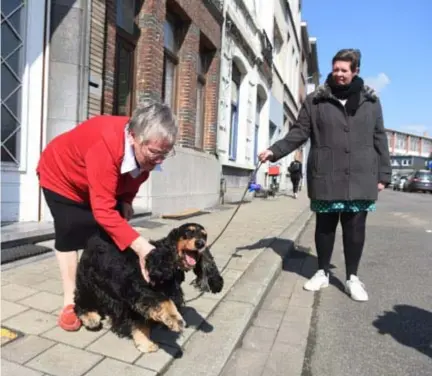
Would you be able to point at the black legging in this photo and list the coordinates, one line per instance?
(353, 235)
(295, 180)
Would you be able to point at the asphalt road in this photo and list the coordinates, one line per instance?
(392, 333)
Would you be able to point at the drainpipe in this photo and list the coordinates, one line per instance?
(224, 11)
(84, 68)
(45, 71)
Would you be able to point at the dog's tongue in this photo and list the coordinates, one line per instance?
(190, 260)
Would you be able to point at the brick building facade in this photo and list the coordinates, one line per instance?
(164, 50)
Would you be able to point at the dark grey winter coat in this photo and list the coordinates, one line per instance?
(349, 156)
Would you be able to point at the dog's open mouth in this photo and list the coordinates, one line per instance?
(190, 258)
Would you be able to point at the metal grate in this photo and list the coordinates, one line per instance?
(12, 66)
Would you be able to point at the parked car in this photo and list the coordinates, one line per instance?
(399, 182)
(420, 180)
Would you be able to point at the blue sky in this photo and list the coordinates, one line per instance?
(395, 39)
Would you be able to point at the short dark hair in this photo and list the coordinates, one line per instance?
(349, 54)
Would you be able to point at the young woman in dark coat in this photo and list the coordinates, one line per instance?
(347, 166)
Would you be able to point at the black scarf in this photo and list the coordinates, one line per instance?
(351, 92)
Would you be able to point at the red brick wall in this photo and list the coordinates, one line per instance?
(211, 109)
(150, 51)
(187, 84)
(109, 60)
(149, 55)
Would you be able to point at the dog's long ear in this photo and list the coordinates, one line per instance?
(174, 234)
(207, 272)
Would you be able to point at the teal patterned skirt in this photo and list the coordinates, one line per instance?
(355, 206)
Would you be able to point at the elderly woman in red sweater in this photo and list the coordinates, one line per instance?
(90, 176)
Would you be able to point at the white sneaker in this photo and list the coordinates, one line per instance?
(356, 289)
(319, 281)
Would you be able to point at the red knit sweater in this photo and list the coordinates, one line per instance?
(83, 165)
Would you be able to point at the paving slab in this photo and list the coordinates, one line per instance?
(64, 360)
(24, 349)
(10, 309)
(13, 292)
(32, 322)
(43, 301)
(115, 367)
(10, 368)
(246, 362)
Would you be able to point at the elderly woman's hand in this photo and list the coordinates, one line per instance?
(142, 248)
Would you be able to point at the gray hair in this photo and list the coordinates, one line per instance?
(153, 121)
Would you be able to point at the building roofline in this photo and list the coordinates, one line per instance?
(408, 134)
(305, 37)
(313, 63)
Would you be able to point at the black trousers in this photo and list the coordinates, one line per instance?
(295, 180)
(353, 236)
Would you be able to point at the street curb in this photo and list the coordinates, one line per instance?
(248, 294)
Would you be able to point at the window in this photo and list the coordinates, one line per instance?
(169, 76)
(125, 16)
(124, 75)
(202, 67)
(124, 78)
(13, 29)
(235, 91)
(400, 142)
(257, 124)
(389, 138)
(272, 132)
(414, 144)
(427, 147)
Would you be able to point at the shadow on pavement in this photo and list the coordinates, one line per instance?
(408, 325)
(167, 339)
(291, 259)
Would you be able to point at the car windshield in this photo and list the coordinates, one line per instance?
(425, 176)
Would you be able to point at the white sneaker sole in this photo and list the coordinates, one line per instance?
(322, 286)
(357, 299)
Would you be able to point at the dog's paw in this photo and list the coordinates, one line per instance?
(176, 323)
(216, 284)
(91, 320)
(147, 347)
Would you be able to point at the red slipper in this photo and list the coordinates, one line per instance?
(68, 320)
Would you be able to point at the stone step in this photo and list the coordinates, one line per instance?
(208, 349)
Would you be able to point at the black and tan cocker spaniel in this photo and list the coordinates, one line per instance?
(110, 283)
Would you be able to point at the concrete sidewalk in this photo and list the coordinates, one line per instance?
(31, 300)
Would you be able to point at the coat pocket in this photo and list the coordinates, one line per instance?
(365, 161)
(322, 161)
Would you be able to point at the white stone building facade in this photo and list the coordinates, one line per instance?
(244, 95)
(258, 106)
(22, 75)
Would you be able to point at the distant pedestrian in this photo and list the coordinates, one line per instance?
(296, 174)
(348, 164)
(90, 176)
